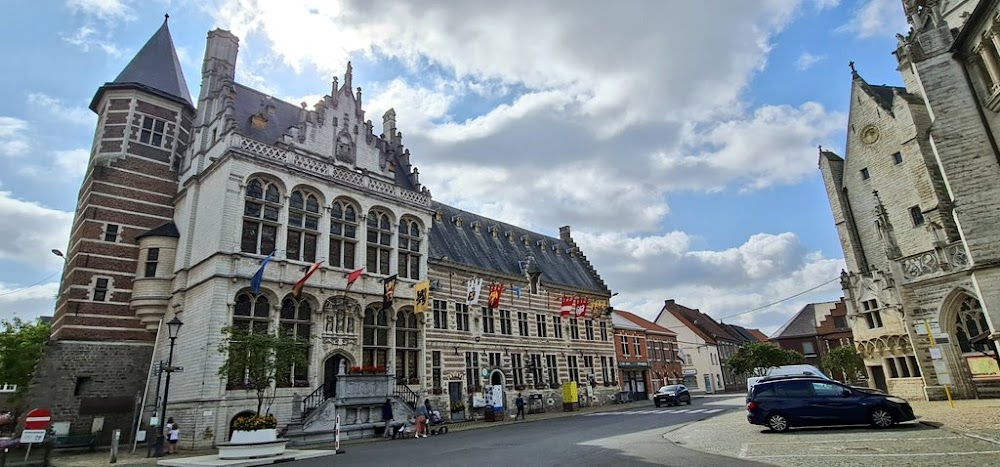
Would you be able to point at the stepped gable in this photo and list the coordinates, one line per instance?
(287, 122)
(154, 69)
(489, 245)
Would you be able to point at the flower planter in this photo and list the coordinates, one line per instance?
(252, 444)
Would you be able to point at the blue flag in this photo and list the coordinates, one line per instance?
(255, 282)
(516, 290)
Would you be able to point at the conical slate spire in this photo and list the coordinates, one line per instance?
(155, 68)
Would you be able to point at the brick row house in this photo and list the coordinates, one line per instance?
(647, 355)
(914, 202)
(815, 330)
(180, 206)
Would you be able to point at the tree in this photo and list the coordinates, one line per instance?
(256, 360)
(756, 358)
(21, 345)
(844, 359)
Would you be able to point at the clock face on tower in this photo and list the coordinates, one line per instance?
(869, 134)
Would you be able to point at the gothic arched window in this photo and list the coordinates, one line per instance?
(375, 342)
(251, 315)
(379, 241)
(295, 320)
(303, 226)
(409, 249)
(343, 234)
(261, 205)
(407, 346)
(971, 322)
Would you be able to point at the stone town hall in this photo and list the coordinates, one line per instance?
(181, 203)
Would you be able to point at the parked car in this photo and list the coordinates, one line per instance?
(783, 370)
(780, 403)
(673, 394)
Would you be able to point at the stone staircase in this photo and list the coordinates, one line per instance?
(988, 388)
(358, 403)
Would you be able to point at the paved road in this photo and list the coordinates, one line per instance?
(630, 437)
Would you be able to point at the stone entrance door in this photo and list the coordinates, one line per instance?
(330, 370)
(878, 377)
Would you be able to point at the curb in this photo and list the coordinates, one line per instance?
(957, 431)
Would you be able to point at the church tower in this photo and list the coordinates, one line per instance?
(115, 284)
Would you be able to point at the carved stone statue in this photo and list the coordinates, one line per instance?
(343, 368)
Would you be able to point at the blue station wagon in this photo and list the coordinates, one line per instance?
(782, 403)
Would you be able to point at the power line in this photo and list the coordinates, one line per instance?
(29, 286)
(780, 301)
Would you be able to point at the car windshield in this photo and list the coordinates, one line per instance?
(671, 388)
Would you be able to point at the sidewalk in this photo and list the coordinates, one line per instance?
(975, 417)
(102, 457)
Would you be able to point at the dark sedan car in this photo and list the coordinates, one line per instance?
(673, 394)
(780, 404)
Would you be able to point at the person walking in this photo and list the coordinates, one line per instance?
(387, 418)
(173, 437)
(519, 402)
(421, 421)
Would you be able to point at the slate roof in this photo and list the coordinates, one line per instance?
(645, 324)
(740, 332)
(166, 230)
(482, 250)
(881, 94)
(802, 324)
(155, 69)
(699, 322)
(285, 115)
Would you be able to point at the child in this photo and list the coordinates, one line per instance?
(173, 436)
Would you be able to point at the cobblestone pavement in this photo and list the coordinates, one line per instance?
(938, 442)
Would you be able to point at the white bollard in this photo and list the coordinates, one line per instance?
(336, 436)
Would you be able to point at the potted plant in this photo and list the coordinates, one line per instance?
(254, 361)
(457, 410)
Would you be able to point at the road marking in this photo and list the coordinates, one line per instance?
(681, 410)
(697, 410)
(744, 450)
(714, 410)
(895, 454)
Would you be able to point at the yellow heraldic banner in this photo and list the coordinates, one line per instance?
(569, 392)
(422, 297)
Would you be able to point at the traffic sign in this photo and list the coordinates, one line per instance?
(37, 419)
(32, 436)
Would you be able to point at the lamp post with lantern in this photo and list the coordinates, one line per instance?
(173, 328)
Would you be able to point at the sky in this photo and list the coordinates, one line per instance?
(678, 139)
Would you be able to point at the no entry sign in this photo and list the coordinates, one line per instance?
(37, 419)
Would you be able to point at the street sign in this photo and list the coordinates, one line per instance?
(37, 419)
(32, 436)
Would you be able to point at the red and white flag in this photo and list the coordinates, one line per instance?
(567, 306)
(581, 305)
(302, 282)
(496, 289)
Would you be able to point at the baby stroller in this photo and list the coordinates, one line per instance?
(435, 420)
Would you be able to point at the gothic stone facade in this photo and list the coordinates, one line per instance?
(915, 204)
(181, 205)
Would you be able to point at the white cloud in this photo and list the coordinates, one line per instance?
(807, 60)
(73, 162)
(103, 9)
(13, 141)
(28, 302)
(85, 39)
(78, 115)
(875, 18)
(31, 230)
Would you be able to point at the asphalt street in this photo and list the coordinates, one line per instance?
(631, 437)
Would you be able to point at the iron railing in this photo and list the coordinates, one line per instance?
(312, 401)
(404, 392)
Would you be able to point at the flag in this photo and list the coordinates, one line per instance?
(516, 290)
(302, 282)
(598, 307)
(259, 276)
(581, 305)
(352, 277)
(681, 355)
(496, 289)
(421, 297)
(388, 290)
(472, 289)
(567, 306)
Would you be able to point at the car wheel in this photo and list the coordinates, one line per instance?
(777, 422)
(656, 403)
(881, 418)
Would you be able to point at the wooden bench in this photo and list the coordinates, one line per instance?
(76, 441)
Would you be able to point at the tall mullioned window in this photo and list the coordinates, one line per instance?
(251, 314)
(461, 317)
(379, 242)
(303, 226)
(409, 249)
(551, 369)
(296, 320)
(260, 217)
(407, 346)
(343, 234)
(375, 342)
(440, 314)
(505, 324)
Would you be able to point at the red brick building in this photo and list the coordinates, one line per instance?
(814, 330)
(661, 352)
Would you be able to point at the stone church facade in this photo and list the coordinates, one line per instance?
(183, 200)
(915, 204)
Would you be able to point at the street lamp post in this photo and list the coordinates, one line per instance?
(173, 327)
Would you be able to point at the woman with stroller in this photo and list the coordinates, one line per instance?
(422, 419)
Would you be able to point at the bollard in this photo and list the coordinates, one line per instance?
(336, 437)
(947, 392)
(115, 438)
(3, 457)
